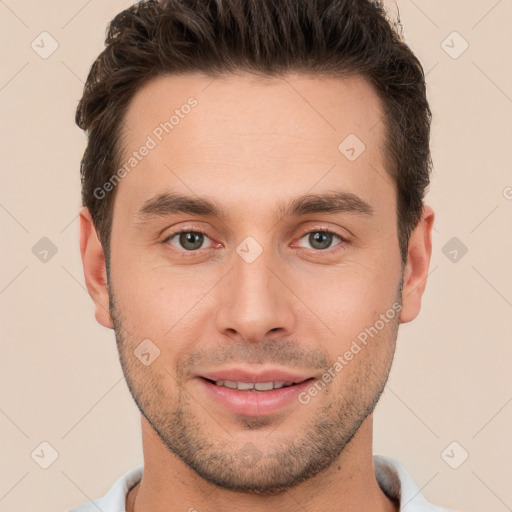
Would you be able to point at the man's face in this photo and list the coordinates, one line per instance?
(256, 296)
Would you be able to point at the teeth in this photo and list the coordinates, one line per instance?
(262, 386)
(258, 386)
(248, 385)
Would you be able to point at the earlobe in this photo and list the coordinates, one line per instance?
(416, 269)
(95, 272)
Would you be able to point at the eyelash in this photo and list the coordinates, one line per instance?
(330, 250)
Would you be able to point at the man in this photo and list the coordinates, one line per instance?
(254, 232)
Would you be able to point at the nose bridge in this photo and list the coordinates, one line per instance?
(254, 301)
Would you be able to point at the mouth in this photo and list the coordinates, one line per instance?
(249, 394)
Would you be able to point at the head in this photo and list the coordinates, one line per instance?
(274, 220)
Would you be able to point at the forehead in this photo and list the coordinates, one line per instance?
(291, 105)
(272, 135)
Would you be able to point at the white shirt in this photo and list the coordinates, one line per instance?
(394, 480)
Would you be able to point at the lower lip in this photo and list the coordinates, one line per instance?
(254, 403)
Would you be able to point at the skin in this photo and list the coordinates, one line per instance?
(250, 145)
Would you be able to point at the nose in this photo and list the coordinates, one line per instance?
(255, 300)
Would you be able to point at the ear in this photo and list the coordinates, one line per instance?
(416, 268)
(95, 270)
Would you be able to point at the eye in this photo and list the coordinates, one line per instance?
(321, 239)
(192, 240)
(188, 240)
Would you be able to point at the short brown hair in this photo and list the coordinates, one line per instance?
(332, 38)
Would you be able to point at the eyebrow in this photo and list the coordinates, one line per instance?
(166, 204)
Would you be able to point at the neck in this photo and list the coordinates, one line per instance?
(348, 485)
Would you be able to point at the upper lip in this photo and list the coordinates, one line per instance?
(246, 375)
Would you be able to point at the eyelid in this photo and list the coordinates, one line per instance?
(184, 229)
(325, 229)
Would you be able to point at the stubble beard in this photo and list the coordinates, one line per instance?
(265, 467)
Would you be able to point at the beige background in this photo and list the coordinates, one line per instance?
(60, 378)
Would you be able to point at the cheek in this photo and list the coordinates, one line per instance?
(164, 306)
(349, 298)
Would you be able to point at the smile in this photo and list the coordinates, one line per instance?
(252, 386)
(251, 395)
